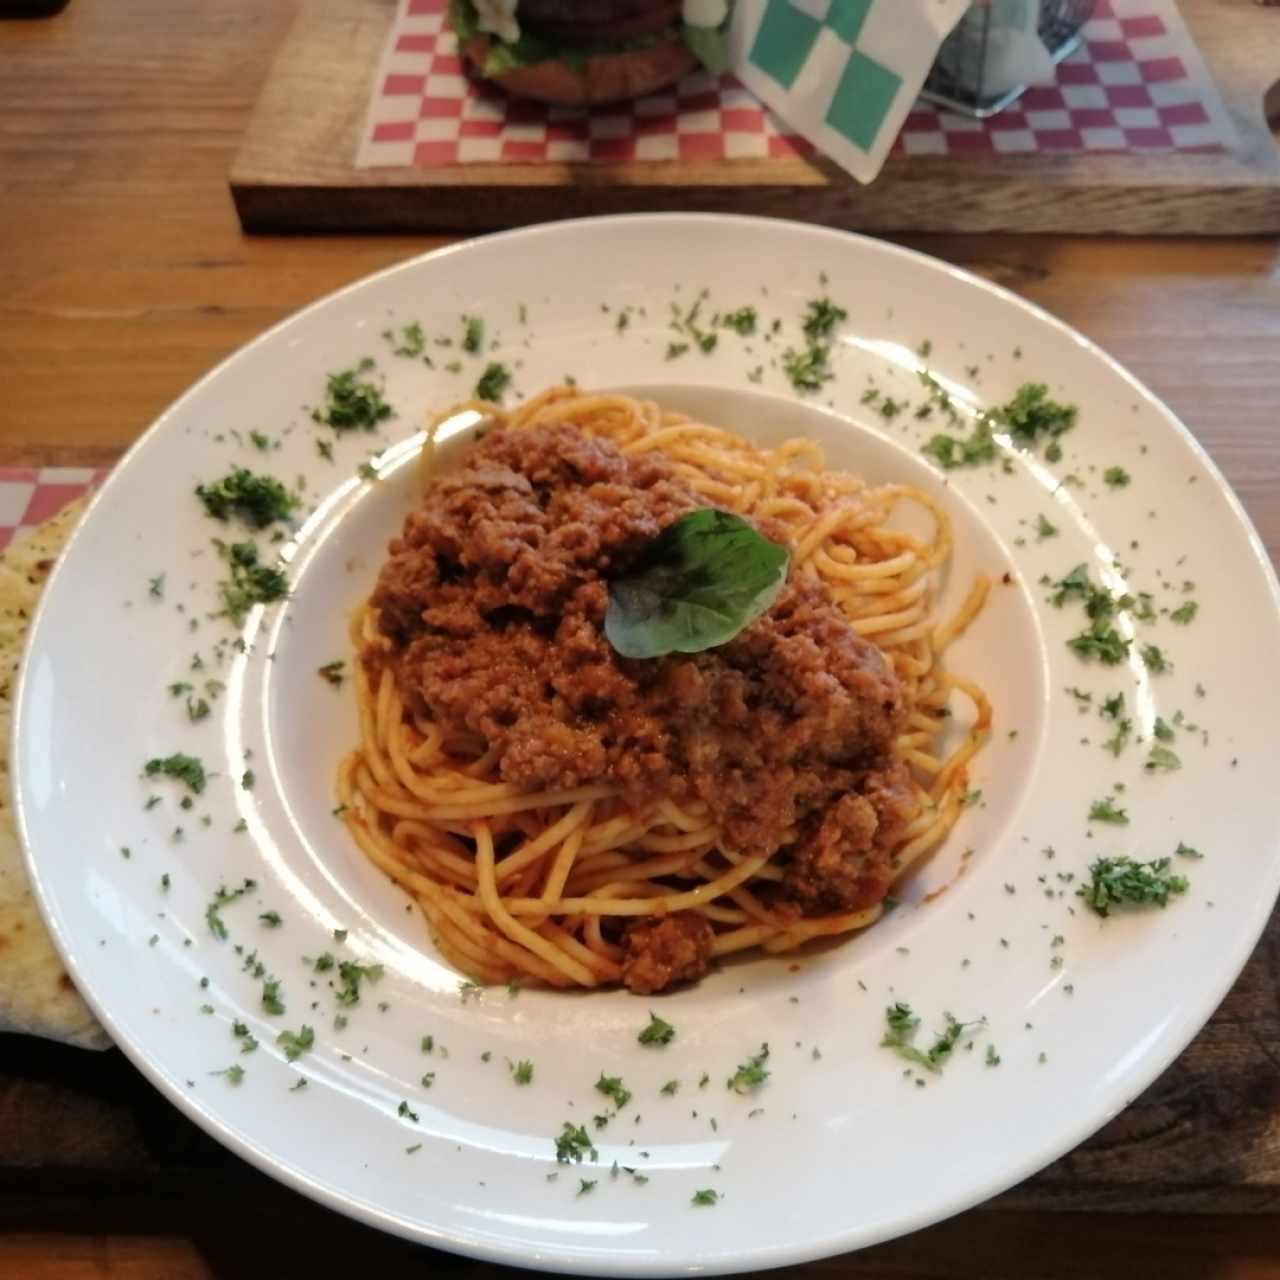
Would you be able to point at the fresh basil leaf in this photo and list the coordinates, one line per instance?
(695, 586)
(710, 46)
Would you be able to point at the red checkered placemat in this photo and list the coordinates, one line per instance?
(30, 495)
(1137, 83)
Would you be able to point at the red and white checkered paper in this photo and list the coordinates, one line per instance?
(30, 495)
(1136, 84)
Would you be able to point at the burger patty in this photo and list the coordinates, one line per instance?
(584, 12)
(586, 23)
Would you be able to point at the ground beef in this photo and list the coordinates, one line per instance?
(494, 597)
(842, 862)
(660, 953)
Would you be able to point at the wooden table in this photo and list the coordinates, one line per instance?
(123, 277)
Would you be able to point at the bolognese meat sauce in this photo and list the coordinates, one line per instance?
(494, 599)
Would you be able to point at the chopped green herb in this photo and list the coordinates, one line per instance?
(352, 400)
(404, 1111)
(223, 898)
(155, 586)
(705, 1197)
(1162, 758)
(993, 1058)
(1116, 477)
(295, 1045)
(1122, 881)
(901, 1027)
(1044, 529)
(250, 582)
(234, 1073)
(586, 1185)
(1162, 730)
(750, 1074)
(1106, 811)
(951, 452)
(821, 318)
(1154, 659)
(351, 975)
(185, 768)
(742, 321)
(522, 1072)
(257, 499)
(1120, 739)
(493, 382)
(325, 449)
(670, 1088)
(613, 1088)
(1186, 851)
(1076, 585)
(247, 779)
(472, 334)
(1101, 641)
(674, 351)
(1184, 613)
(271, 919)
(807, 370)
(340, 935)
(658, 1031)
(410, 341)
(574, 1143)
(1030, 414)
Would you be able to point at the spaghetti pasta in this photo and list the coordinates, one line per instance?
(556, 883)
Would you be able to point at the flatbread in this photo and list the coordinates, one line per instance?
(37, 995)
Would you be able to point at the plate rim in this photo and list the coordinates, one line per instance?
(463, 1240)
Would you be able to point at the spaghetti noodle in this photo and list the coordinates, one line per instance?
(563, 884)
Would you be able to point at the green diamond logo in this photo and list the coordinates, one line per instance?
(784, 41)
(862, 99)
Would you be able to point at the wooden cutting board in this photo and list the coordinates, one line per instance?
(295, 170)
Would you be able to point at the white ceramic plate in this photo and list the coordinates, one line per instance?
(839, 1149)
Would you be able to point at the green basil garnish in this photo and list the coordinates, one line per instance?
(695, 586)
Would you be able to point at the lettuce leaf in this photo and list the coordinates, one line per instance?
(710, 45)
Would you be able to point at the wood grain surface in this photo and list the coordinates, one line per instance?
(295, 171)
(124, 276)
